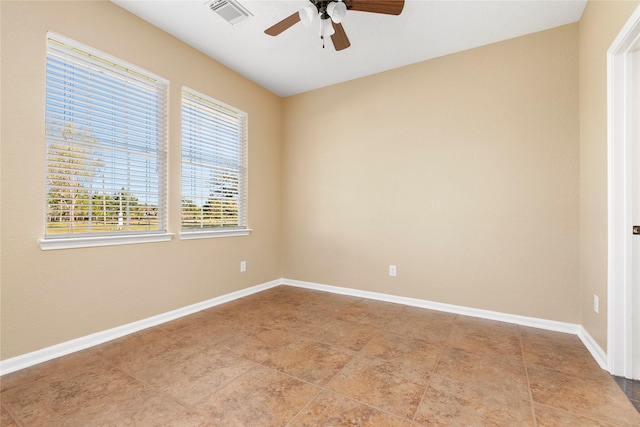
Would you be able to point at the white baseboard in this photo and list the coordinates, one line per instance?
(24, 361)
(596, 351)
(62, 349)
(551, 325)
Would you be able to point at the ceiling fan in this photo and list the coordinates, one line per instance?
(330, 13)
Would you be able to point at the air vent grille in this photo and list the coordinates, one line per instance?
(230, 10)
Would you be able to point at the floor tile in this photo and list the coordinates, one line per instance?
(147, 344)
(196, 373)
(370, 312)
(64, 392)
(598, 397)
(381, 383)
(451, 403)
(423, 324)
(6, 420)
(490, 338)
(330, 409)
(289, 320)
(259, 344)
(630, 387)
(144, 354)
(206, 328)
(260, 397)
(239, 309)
(41, 370)
(413, 355)
(309, 360)
(485, 343)
(486, 326)
(341, 333)
(326, 304)
(502, 374)
(571, 359)
(133, 405)
(268, 311)
(536, 335)
(547, 416)
(292, 294)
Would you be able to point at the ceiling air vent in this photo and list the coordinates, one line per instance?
(232, 11)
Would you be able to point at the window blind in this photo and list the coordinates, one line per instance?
(105, 144)
(214, 144)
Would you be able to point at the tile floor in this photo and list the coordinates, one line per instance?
(295, 357)
(632, 389)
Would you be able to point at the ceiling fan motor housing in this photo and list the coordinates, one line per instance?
(334, 9)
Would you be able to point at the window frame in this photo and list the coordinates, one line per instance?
(87, 57)
(242, 229)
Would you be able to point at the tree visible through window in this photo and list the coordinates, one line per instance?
(213, 164)
(106, 136)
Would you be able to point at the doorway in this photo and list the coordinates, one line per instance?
(635, 209)
(623, 347)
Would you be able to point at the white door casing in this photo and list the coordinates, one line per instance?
(623, 115)
(634, 59)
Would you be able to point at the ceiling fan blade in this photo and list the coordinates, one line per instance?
(389, 7)
(339, 38)
(285, 24)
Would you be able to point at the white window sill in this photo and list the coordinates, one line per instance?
(87, 242)
(211, 234)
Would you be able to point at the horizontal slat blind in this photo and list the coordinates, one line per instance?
(214, 143)
(106, 144)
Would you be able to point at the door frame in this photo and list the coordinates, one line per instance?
(619, 143)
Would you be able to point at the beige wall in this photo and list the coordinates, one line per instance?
(54, 296)
(600, 24)
(462, 171)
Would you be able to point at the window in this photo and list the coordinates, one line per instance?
(214, 143)
(105, 127)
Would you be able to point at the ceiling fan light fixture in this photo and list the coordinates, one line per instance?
(326, 28)
(337, 11)
(308, 14)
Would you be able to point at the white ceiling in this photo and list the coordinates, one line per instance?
(295, 61)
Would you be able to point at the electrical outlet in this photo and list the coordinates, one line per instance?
(243, 266)
(392, 271)
(596, 303)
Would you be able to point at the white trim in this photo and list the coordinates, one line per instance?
(551, 325)
(596, 351)
(619, 339)
(62, 349)
(92, 241)
(209, 234)
(138, 72)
